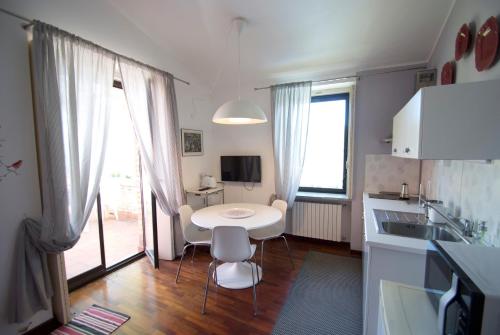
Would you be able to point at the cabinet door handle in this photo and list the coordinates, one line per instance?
(394, 150)
(407, 150)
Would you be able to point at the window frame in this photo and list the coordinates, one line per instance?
(346, 96)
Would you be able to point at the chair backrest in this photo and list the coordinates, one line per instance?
(282, 206)
(272, 198)
(230, 244)
(185, 213)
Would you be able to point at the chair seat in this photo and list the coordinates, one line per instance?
(196, 235)
(266, 233)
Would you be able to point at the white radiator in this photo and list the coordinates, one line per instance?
(316, 220)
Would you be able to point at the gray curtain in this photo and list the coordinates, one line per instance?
(72, 83)
(152, 105)
(290, 120)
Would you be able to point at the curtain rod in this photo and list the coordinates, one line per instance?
(8, 12)
(399, 69)
(314, 81)
(30, 23)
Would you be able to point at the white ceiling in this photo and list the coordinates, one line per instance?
(290, 39)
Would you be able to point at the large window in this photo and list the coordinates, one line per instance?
(327, 145)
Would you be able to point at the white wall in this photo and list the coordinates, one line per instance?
(379, 96)
(19, 195)
(246, 140)
(99, 22)
(470, 189)
(195, 112)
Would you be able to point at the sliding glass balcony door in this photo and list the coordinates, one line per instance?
(121, 196)
(86, 254)
(124, 211)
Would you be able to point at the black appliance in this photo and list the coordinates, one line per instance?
(461, 309)
(240, 168)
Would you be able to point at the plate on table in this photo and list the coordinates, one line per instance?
(238, 213)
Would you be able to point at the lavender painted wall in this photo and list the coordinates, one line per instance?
(379, 96)
(474, 12)
(470, 189)
(19, 193)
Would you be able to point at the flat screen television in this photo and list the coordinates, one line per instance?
(240, 168)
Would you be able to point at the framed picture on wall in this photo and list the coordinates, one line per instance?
(192, 142)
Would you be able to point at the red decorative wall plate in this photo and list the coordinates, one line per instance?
(462, 41)
(486, 44)
(448, 74)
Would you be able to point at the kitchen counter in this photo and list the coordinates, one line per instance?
(480, 264)
(388, 257)
(372, 238)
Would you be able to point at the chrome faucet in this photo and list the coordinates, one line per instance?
(468, 228)
(462, 227)
(426, 204)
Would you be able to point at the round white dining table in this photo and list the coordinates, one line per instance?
(236, 275)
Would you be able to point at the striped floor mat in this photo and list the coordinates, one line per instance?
(95, 320)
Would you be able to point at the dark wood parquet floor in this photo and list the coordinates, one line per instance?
(159, 306)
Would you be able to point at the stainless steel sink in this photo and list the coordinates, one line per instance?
(413, 225)
(418, 230)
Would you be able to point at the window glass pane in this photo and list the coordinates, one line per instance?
(324, 160)
(86, 254)
(121, 200)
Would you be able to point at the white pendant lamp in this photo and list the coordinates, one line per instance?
(239, 111)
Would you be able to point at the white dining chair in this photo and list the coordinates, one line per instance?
(274, 231)
(193, 234)
(231, 244)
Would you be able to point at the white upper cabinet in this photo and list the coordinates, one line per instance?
(460, 121)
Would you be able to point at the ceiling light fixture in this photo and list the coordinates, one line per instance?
(239, 111)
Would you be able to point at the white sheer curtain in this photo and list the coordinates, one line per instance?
(152, 105)
(290, 116)
(72, 83)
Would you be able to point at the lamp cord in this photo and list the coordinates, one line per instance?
(220, 69)
(239, 64)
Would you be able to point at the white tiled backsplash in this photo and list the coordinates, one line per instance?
(470, 189)
(387, 173)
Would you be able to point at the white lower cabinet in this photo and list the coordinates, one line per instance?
(406, 309)
(389, 264)
(388, 257)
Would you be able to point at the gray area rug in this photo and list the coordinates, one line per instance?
(326, 298)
